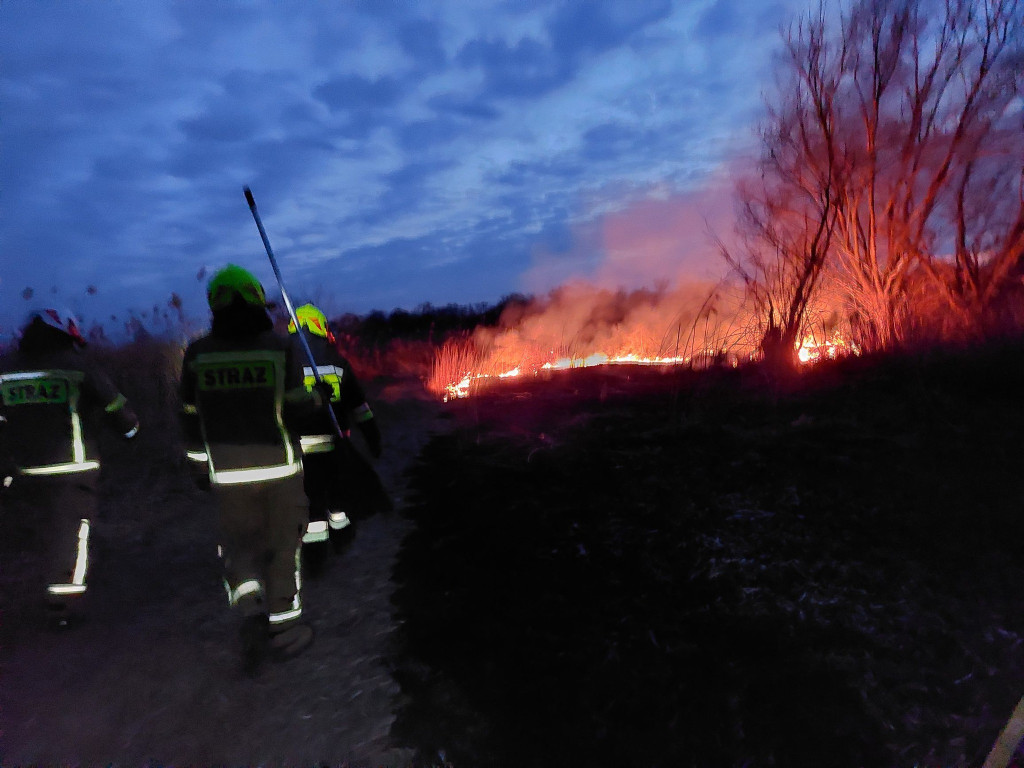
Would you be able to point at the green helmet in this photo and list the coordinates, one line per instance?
(232, 281)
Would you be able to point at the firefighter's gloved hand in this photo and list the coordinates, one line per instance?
(371, 433)
(324, 393)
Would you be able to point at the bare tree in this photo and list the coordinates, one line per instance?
(895, 160)
(927, 89)
(788, 214)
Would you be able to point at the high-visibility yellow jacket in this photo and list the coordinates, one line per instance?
(241, 399)
(50, 400)
(348, 400)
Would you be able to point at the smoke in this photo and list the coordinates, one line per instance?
(657, 239)
(646, 280)
(642, 282)
(579, 319)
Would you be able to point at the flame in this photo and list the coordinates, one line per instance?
(577, 326)
(810, 350)
(461, 388)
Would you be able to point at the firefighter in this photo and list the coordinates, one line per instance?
(52, 396)
(241, 392)
(324, 470)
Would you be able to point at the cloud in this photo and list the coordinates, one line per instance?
(611, 139)
(719, 19)
(350, 93)
(602, 24)
(447, 144)
(527, 68)
(421, 39)
(476, 108)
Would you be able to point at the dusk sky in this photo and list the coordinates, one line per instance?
(399, 152)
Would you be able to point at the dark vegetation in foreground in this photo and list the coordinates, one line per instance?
(615, 567)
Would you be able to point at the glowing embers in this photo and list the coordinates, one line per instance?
(461, 388)
(600, 358)
(810, 350)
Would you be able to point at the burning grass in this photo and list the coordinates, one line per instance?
(460, 368)
(579, 326)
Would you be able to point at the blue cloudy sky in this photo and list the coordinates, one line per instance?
(400, 152)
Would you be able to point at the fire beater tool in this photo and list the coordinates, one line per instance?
(291, 310)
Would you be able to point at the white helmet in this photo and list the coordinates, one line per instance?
(61, 319)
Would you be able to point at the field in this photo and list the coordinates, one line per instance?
(627, 568)
(609, 567)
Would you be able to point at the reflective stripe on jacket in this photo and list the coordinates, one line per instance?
(348, 399)
(235, 395)
(47, 400)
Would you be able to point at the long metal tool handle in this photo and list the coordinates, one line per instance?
(291, 310)
(1009, 738)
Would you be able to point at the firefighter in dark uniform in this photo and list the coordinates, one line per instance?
(51, 397)
(241, 393)
(324, 473)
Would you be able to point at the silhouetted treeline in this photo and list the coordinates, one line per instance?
(425, 323)
(400, 341)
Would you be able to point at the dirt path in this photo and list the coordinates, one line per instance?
(153, 676)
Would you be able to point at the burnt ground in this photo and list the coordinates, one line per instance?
(602, 568)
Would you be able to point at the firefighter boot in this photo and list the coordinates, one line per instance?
(255, 636)
(291, 641)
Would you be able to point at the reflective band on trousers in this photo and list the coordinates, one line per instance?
(296, 610)
(316, 443)
(254, 475)
(196, 455)
(315, 531)
(116, 404)
(61, 469)
(338, 520)
(66, 589)
(77, 585)
(280, 618)
(250, 587)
